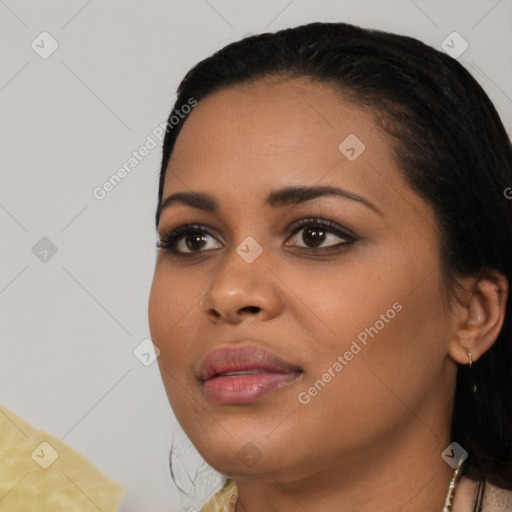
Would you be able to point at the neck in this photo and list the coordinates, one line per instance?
(407, 474)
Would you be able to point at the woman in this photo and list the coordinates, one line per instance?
(330, 296)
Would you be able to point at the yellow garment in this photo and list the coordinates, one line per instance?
(224, 500)
(39, 473)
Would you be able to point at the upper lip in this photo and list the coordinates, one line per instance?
(232, 359)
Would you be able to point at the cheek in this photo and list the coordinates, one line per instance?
(173, 303)
(376, 392)
(337, 304)
(391, 331)
(171, 306)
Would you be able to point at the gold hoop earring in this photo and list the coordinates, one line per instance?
(470, 364)
(470, 358)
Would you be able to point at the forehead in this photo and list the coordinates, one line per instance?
(243, 140)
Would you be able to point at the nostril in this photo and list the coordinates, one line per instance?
(252, 309)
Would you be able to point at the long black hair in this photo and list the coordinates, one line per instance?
(453, 150)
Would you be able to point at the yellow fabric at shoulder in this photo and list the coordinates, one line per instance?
(224, 500)
(39, 473)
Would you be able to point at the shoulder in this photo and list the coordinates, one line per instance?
(496, 499)
(224, 500)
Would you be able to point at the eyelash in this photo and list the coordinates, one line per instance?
(168, 240)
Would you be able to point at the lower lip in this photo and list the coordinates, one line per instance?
(242, 389)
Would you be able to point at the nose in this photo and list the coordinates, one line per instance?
(242, 291)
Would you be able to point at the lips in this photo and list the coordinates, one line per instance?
(242, 360)
(238, 375)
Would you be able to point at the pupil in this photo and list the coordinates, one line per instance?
(191, 236)
(317, 236)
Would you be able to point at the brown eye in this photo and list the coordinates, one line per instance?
(317, 233)
(191, 239)
(194, 241)
(315, 236)
(187, 239)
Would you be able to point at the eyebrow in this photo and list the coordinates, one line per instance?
(276, 199)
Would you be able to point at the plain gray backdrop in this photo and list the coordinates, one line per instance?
(76, 270)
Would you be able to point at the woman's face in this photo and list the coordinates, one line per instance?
(357, 318)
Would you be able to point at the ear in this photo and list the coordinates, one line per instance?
(480, 317)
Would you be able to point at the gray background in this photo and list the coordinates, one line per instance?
(69, 325)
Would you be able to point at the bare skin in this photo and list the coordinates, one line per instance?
(372, 438)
